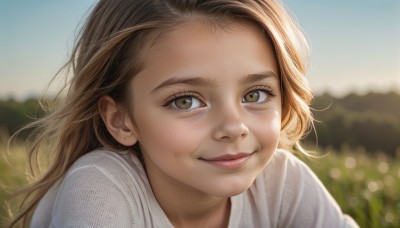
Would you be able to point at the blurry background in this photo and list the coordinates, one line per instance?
(355, 43)
(355, 74)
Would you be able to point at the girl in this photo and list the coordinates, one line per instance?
(173, 118)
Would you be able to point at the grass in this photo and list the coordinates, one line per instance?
(12, 175)
(365, 186)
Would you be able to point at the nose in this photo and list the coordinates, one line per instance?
(229, 125)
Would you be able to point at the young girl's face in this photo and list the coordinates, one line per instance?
(207, 108)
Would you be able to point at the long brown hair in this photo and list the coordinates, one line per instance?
(107, 55)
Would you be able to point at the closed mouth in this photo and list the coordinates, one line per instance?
(227, 157)
(228, 161)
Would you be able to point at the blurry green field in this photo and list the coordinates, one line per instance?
(12, 174)
(366, 187)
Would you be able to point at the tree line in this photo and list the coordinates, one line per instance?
(371, 120)
(16, 114)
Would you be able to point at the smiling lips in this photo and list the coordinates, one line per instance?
(229, 161)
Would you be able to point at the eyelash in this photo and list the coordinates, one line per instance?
(178, 95)
(270, 92)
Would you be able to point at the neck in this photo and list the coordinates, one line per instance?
(211, 214)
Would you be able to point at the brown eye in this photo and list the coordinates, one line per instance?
(255, 96)
(186, 103)
(183, 102)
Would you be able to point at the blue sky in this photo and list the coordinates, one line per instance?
(355, 43)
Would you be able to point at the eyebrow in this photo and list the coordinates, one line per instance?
(251, 78)
(195, 81)
(203, 82)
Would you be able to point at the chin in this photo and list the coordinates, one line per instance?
(233, 188)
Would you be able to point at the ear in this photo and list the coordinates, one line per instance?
(117, 121)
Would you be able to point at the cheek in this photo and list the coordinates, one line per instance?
(275, 124)
(159, 134)
(268, 133)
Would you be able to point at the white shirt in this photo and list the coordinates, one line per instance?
(110, 189)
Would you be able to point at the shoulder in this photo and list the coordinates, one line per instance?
(295, 195)
(102, 158)
(284, 179)
(96, 191)
(288, 159)
(293, 179)
(120, 168)
(291, 166)
(286, 168)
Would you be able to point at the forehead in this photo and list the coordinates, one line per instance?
(199, 47)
